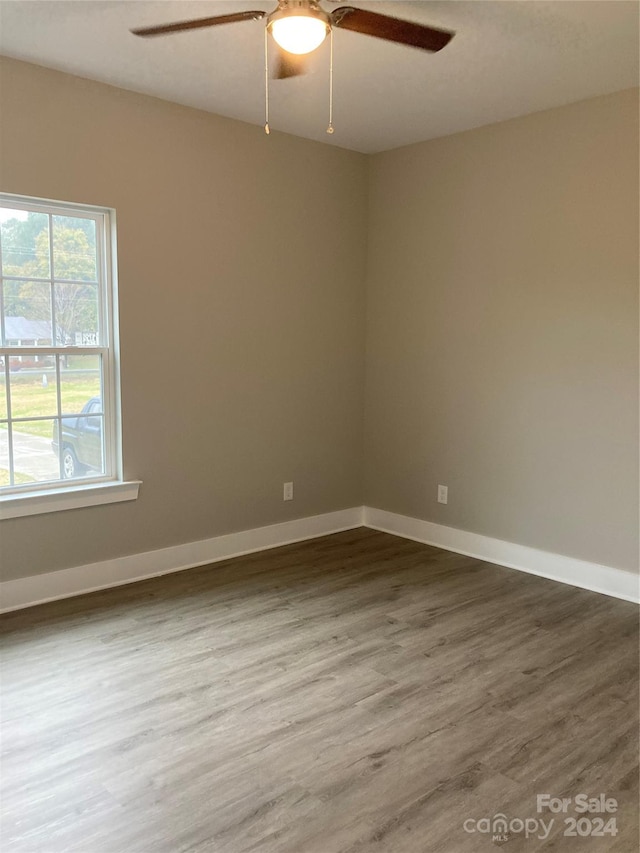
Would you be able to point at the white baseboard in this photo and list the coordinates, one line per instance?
(66, 583)
(592, 576)
(38, 589)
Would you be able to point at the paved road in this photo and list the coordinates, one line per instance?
(32, 455)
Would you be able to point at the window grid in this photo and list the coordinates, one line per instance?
(62, 347)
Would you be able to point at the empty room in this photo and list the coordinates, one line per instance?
(319, 426)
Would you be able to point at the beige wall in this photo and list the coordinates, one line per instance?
(502, 321)
(241, 283)
(502, 343)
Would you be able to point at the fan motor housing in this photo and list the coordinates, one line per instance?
(302, 8)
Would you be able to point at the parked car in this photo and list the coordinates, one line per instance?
(81, 441)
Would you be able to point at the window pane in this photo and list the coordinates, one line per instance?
(24, 241)
(80, 382)
(76, 308)
(81, 447)
(4, 455)
(3, 391)
(34, 392)
(27, 313)
(74, 248)
(34, 459)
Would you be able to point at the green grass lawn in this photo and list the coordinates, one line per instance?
(32, 400)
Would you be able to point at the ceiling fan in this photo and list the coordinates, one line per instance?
(300, 26)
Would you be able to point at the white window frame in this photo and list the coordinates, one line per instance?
(109, 487)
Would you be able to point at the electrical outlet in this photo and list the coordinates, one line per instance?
(443, 494)
(287, 492)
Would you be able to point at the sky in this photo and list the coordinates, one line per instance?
(6, 213)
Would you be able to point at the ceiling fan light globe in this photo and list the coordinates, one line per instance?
(299, 33)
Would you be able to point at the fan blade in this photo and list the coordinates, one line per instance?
(289, 65)
(390, 29)
(164, 29)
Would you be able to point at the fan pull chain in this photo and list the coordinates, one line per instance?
(330, 128)
(266, 84)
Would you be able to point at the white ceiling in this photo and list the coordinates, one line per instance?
(508, 58)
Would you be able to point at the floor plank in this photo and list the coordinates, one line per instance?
(351, 694)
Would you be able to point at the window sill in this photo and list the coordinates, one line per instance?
(74, 497)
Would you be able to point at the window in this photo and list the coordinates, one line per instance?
(59, 426)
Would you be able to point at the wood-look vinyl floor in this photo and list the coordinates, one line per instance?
(351, 694)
